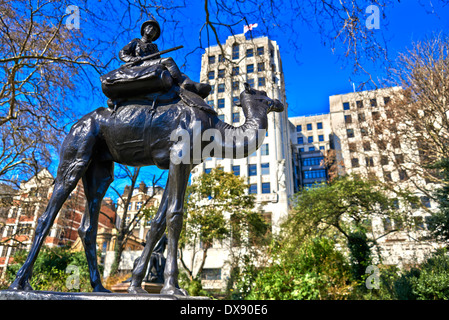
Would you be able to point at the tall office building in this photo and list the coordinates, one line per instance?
(258, 63)
(267, 171)
(346, 132)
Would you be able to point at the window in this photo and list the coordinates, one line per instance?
(386, 100)
(301, 149)
(320, 137)
(139, 205)
(384, 160)
(399, 158)
(366, 146)
(221, 58)
(250, 68)
(309, 126)
(387, 224)
(211, 59)
(235, 100)
(352, 147)
(212, 88)
(350, 133)
(359, 104)
(260, 51)
(311, 148)
(298, 128)
(361, 117)
(373, 103)
(221, 103)
(235, 85)
(261, 82)
(221, 73)
(363, 132)
(387, 175)
(235, 51)
(264, 151)
(425, 202)
(348, 118)
(402, 175)
(235, 71)
(319, 125)
(207, 170)
(221, 117)
(266, 187)
(221, 87)
(313, 174)
(355, 162)
(235, 116)
(211, 274)
(369, 161)
(249, 53)
(310, 139)
(211, 75)
(300, 140)
(264, 168)
(236, 170)
(251, 83)
(375, 115)
(252, 189)
(252, 170)
(345, 105)
(260, 67)
(315, 161)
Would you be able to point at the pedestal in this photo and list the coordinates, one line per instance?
(147, 286)
(50, 295)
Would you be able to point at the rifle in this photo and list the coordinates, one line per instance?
(151, 56)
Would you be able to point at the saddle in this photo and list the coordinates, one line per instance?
(154, 86)
(174, 95)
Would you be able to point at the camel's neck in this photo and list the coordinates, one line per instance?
(239, 142)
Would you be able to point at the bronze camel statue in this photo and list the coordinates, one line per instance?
(138, 135)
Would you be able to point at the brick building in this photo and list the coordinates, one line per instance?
(29, 203)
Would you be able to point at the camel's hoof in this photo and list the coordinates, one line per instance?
(17, 285)
(100, 288)
(136, 290)
(174, 291)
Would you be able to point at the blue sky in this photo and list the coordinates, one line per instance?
(313, 73)
(321, 74)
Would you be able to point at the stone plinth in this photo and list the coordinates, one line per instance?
(147, 286)
(50, 295)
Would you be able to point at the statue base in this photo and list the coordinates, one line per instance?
(50, 295)
(147, 286)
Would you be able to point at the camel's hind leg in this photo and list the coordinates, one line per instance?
(178, 179)
(75, 157)
(96, 181)
(157, 229)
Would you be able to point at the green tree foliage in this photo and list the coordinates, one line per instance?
(343, 209)
(439, 222)
(316, 270)
(219, 209)
(54, 270)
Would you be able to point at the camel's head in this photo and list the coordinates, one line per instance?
(249, 96)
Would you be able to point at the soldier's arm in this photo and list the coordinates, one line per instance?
(128, 53)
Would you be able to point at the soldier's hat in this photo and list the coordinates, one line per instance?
(156, 26)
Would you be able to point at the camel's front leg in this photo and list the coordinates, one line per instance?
(178, 178)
